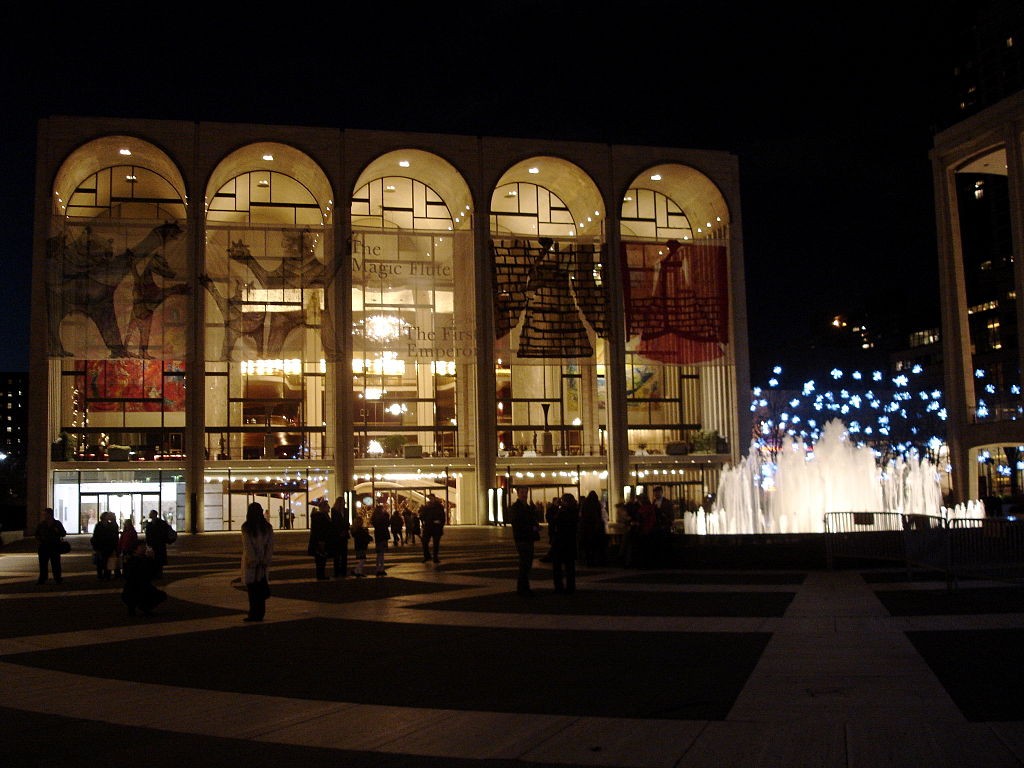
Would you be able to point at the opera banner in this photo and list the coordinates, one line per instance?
(553, 293)
(676, 300)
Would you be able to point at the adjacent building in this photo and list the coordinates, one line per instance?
(225, 313)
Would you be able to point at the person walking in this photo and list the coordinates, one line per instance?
(257, 552)
(321, 533)
(381, 523)
(433, 518)
(397, 524)
(125, 545)
(50, 542)
(525, 532)
(564, 543)
(157, 539)
(104, 545)
(339, 519)
(360, 543)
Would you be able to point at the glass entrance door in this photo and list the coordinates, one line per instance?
(124, 505)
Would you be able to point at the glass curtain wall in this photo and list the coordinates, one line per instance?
(676, 290)
(264, 279)
(413, 345)
(550, 325)
(118, 318)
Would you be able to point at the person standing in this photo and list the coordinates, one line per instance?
(360, 543)
(593, 537)
(139, 592)
(339, 519)
(433, 518)
(564, 543)
(381, 523)
(104, 544)
(257, 551)
(157, 538)
(397, 523)
(321, 532)
(125, 545)
(646, 536)
(661, 540)
(415, 527)
(406, 523)
(525, 532)
(50, 535)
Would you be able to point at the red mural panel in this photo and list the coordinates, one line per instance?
(133, 385)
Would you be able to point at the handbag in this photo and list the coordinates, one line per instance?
(172, 535)
(64, 547)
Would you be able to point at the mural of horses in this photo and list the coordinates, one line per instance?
(86, 281)
(147, 296)
(266, 330)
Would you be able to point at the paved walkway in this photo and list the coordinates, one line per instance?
(447, 666)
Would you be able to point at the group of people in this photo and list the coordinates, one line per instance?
(573, 527)
(648, 527)
(329, 533)
(116, 554)
(330, 530)
(577, 528)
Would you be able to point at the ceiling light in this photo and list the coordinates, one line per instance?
(655, 177)
(125, 152)
(403, 163)
(268, 157)
(535, 169)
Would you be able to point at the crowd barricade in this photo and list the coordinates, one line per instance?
(987, 547)
(957, 547)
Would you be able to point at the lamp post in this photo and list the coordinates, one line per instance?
(549, 443)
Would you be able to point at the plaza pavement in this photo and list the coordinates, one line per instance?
(728, 659)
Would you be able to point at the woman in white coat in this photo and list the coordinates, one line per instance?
(257, 551)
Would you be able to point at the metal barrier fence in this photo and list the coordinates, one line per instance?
(979, 547)
(992, 547)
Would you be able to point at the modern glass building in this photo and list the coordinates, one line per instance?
(978, 168)
(225, 313)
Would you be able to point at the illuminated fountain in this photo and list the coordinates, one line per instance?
(793, 494)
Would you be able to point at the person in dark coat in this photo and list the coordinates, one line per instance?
(593, 537)
(50, 534)
(525, 533)
(340, 521)
(433, 519)
(564, 543)
(381, 523)
(104, 545)
(157, 538)
(397, 523)
(125, 545)
(321, 534)
(139, 593)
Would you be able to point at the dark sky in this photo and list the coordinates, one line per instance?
(829, 108)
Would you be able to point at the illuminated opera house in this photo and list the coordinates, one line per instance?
(224, 313)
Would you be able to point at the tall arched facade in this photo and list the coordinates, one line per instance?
(227, 313)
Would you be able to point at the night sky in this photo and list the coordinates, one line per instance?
(832, 119)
